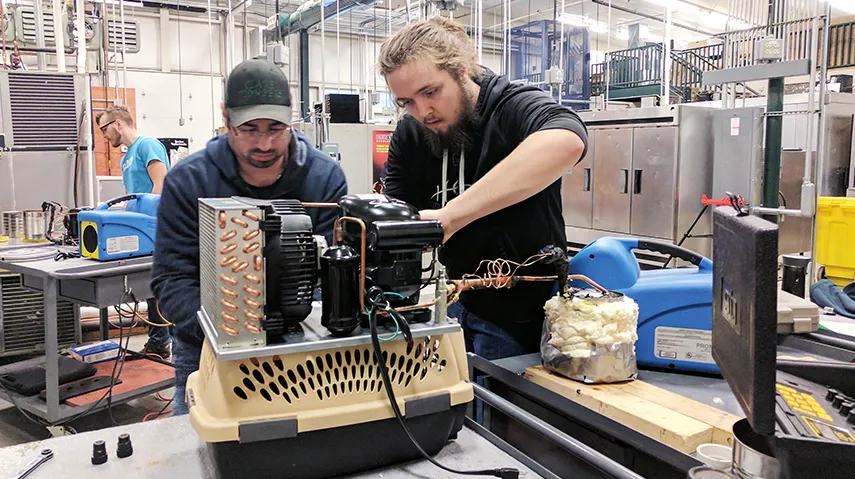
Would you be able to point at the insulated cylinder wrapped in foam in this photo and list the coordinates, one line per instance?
(590, 336)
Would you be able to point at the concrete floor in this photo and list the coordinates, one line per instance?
(16, 429)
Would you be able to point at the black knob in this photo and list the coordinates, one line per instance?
(851, 418)
(125, 449)
(832, 393)
(838, 400)
(99, 452)
(846, 407)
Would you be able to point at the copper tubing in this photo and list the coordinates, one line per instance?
(228, 304)
(228, 292)
(240, 267)
(222, 218)
(240, 222)
(228, 248)
(250, 215)
(253, 316)
(229, 317)
(257, 262)
(337, 229)
(230, 330)
(228, 235)
(320, 205)
(252, 247)
(251, 234)
(251, 327)
(229, 279)
(588, 280)
(252, 278)
(228, 261)
(252, 291)
(251, 303)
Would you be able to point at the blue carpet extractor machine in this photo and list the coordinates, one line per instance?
(675, 304)
(107, 234)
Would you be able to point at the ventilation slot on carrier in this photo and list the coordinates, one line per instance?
(327, 376)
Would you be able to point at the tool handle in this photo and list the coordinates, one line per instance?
(115, 201)
(677, 252)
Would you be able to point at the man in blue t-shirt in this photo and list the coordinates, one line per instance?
(144, 168)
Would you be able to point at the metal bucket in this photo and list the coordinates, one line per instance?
(13, 224)
(35, 226)
(752, 456)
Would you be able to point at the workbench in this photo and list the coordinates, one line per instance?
(570, 411)
(81, 281)
(170, 448)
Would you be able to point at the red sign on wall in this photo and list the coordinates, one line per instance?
(380, 154)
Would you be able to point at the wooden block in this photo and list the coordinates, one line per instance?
(721, 421)
(669, 427)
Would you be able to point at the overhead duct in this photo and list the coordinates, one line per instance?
(309, 13)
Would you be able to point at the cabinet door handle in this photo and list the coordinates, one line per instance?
(636, 187)
(624, 182)
(586, 185)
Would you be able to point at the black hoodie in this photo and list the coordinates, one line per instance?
(309, 175)
(508, 113)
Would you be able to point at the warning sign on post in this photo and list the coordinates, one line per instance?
(684, 344)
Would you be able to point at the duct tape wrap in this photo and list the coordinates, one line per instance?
(606, 364)
(589, 336)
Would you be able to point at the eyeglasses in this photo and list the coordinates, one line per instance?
(273, 133)
(104, 128)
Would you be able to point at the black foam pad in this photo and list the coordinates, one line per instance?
(745, 315)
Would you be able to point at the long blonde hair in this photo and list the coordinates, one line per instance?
(438, 40)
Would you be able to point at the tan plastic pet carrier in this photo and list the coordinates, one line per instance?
(324, 413)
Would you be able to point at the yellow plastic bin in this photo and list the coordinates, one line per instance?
(835, 238)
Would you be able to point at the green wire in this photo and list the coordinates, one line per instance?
(397, 326)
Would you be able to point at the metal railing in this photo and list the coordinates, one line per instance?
(841, 48)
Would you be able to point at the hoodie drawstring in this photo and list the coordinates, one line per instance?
(461, 180)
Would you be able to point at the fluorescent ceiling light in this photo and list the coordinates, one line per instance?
(600, 27)
(574, 20)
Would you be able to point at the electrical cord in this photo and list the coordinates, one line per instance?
(377, 300)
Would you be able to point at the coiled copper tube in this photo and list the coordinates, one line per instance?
(240, 267)
(228, 292)
(229, 317)
(250, 215)
(249, 314)
(228, 235)
(251, 327)
(229, 279)
(228, 261)
(257, 262)
(222, 217)
(251, 303)
(251, 247)
(252, 291)
(228, 248)
(230, 330)
(251, 234)
(252, 278)
(240, 222)
(228, 304)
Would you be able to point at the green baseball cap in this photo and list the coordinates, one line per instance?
(258, 90)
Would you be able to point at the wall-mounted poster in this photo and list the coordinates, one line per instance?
(380, 153)
(177, 148)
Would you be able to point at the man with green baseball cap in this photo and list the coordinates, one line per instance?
(258, 157)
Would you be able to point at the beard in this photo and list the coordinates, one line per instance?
(461, 134)
(262, 163)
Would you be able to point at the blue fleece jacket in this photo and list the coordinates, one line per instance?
(309, 176)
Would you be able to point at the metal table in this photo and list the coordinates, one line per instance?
(169, 447)
(82, 281)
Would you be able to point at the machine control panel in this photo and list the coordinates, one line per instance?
(811, 411)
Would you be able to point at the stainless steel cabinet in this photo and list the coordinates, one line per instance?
(654, 168)
(613, 162)
(578, 192)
